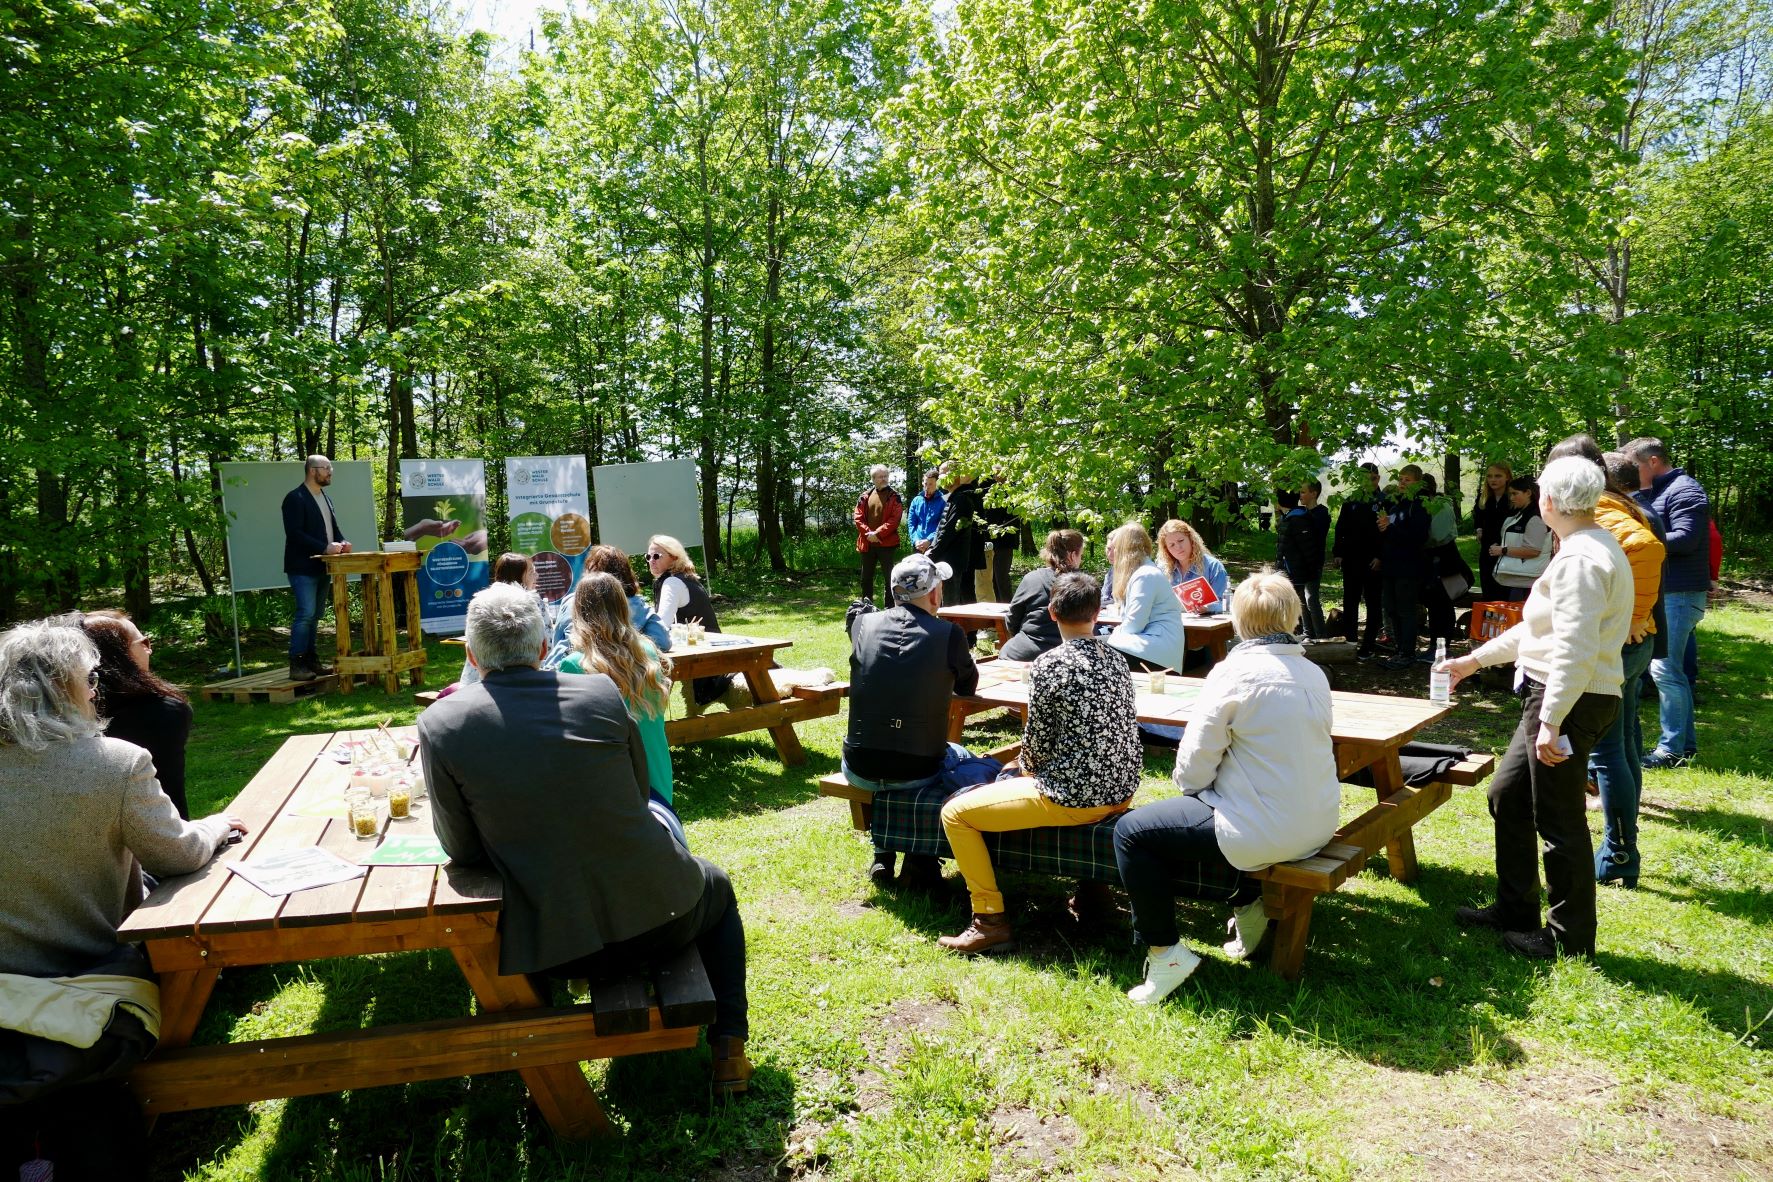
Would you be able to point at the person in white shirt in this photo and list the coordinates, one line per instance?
(1258, 777)
(1566, 652)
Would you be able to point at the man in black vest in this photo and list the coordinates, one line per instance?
(310, 527)
(906, 665)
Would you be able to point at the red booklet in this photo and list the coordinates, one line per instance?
(1196, 595)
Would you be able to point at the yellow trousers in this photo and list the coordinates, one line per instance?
(1003, 807)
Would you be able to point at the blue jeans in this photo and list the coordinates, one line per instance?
(307, 614)
(1684, 610)
(1150, 843)
(1617, 766)
(887, 786)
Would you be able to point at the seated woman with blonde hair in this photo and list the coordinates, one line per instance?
(1258, 778)
(1149, 634)
(604, 641)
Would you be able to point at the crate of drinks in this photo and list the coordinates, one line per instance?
(1491, 618)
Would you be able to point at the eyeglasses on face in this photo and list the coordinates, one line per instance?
(653, 556)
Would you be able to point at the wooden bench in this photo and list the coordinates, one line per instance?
(1290, 888)
(621, 1017)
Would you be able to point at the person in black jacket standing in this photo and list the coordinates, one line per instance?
(1403, 563)
(960, 537)
(1489, 514)
(1356, 554)
(310, 528)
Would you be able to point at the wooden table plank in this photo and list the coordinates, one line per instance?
(177, 904)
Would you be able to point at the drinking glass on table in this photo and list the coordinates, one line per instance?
(361, 815)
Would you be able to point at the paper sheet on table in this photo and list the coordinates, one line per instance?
(289, 871)
(399, 849)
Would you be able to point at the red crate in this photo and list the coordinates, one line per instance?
(1491, 618)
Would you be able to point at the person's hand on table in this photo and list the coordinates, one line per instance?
(335, 547)
(1549, 748)
(1457, 669)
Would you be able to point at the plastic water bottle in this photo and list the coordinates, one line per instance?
(1440, 682)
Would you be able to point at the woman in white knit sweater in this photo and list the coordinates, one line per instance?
(1566, 654)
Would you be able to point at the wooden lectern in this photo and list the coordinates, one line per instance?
(380, 653)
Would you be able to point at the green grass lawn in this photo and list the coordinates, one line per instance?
(1409, 1049)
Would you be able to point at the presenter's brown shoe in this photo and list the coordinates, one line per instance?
(987, 935)
(300, 672)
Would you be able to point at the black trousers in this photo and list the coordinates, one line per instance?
(877, 557)
(1152, 843)
(1441, 617)
(1003, 552)
(1530, 803)
(1360, 585)
(718, 933)
(1401, 607)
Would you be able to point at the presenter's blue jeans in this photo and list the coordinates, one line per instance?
(1684, 610)
(1618, 770)
(306, 589)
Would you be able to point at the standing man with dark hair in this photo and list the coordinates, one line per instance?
(925, 513)
(310, 528)
(1403, 561)
(1678, 501)
(878, 512)
(1356, 553)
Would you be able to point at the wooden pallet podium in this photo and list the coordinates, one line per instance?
(380, 654)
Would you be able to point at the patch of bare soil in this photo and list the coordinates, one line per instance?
(1028, 1144)
(1568, 1123)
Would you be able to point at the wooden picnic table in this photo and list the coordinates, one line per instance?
(1209, 632)
(196, 925)
(1368, 730)
(771, 710)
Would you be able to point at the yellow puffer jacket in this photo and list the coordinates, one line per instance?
(1643, 549)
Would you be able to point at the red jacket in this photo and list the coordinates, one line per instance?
(892, 511)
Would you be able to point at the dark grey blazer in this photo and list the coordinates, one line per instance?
(542, 775)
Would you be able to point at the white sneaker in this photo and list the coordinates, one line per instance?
(1245, 927)
(1163, 972)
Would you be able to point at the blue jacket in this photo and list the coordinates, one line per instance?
(924, 516)
(1685, 511)
(304, 532)
(1213, 571)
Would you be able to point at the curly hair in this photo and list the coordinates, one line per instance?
(603, 630)
(42, 665)
(613, 561)
(1170, 529)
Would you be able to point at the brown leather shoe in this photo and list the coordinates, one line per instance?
(732, 1070)
(987, 935)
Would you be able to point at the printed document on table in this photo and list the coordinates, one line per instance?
(289, 871)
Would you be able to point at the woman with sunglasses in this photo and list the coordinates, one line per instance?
(680, 598)
(141, 706)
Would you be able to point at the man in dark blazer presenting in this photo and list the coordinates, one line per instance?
(542, 775)
(310, 527)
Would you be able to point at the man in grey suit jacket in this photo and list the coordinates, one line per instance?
(542, 775)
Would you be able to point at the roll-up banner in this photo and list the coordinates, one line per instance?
(550, 507)
(443, 510)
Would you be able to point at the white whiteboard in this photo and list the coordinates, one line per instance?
(252, 499)
(636, 501)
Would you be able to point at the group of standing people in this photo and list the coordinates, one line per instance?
(954, 520)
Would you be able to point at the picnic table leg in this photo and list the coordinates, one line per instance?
(341, 625)
(1003, 633)
(1290, 910)
(763, 691)
(183, 995)
(957, 720)
(560, 1091)
(1400, 851)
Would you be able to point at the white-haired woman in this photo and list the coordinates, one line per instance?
(1258, 779)
(1568, 671)
(82, 813)
(680, 598)
(1149, 634)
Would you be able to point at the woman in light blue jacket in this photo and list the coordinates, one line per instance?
(1184, 557)
(1150, 630)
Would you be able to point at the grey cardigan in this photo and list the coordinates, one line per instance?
(81, 820)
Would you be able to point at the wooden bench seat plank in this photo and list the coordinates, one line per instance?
(315, 1064)
(620, 1006)
(686, 998)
